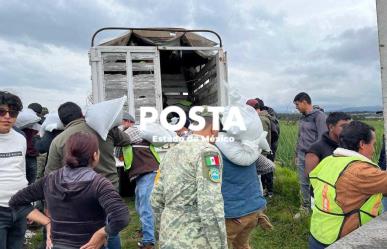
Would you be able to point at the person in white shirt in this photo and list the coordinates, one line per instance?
(12, 174)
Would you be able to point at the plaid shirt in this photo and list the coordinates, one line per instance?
(134, 134)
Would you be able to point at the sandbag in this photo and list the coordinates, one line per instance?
(249, 116)
(242, 153)
(152, 130)
(238, 153)
(51, 122)
(250, 142)
(105, 115)
(26, 118)
(35, 126)
(262, 142)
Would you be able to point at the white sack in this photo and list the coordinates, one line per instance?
(105, 115)
(250, 118)
(242, 153)
(262, 142)
(249, 143)
(51, 122)
(35, 126)
(26, 118)
(152, 130)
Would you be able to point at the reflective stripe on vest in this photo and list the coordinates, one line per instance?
(328, 217)
(127, 152)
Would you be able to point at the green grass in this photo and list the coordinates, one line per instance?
(287, 233)
(287, 143)
(288, 139)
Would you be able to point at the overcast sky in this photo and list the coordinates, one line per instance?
(275, 48)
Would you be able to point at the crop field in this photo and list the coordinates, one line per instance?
(287, 232)
(288, 139)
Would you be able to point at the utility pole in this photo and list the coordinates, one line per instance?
(381, 10)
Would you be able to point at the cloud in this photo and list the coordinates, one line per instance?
(274, 49)
(355, 46)
(65, 23)
(49, 69)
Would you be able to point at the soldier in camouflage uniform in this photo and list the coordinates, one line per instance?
(187, 199)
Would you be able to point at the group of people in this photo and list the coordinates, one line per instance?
(339, 182)
(195, 197)
(187, 200)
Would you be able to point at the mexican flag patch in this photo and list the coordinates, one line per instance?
(212, 160)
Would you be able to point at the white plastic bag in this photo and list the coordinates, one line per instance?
(51, 122)
(157, 135)
(26, 118)
(105, 115)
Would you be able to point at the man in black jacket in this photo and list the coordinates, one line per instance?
(328, 142)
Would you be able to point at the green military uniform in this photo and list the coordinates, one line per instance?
(187, 200)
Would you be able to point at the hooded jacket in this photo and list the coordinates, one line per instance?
(80, 202)
(311, 127)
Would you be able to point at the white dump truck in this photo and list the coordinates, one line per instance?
(158, 67)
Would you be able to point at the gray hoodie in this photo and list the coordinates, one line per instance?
(310, 129)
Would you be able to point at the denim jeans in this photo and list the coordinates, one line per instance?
(31, 169)
(114, 242)
(12, 229)
(144, 186)
(303, 180)
(384, 202)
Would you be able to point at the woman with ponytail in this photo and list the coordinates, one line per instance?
(83, 206)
